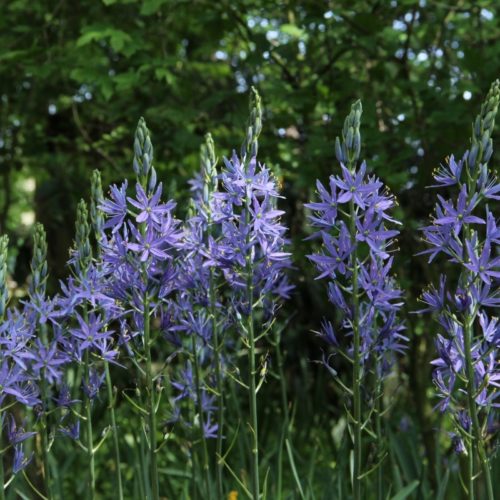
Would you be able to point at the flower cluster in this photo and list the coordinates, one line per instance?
(250, 236)
(466, 232)
(351, 217)
(139, 252)
(17, 380)
(352, 220)
(195, 314)
(143, 274)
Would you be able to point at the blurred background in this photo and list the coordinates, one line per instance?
(75, 76)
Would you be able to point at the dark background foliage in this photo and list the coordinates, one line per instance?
(76, 76)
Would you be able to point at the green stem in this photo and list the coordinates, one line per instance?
(90, 436)
(477, 446)
(486, 470)
(378, 430)
(196, 468)
(253, 395)
(151, 400)
(471, 403)
(145, 482)
(251, 362)
(356, 370)
(470, 470)
(45, 441)
(220, 387)
(478, 443)
(111, 407)
(197, 381)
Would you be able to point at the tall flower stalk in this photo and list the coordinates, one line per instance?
(210, 184)
(83, 252)
(351, 218)
(142, 163)
(140, 254)
(466, 371)
(249, 150)
(97, 219)
(200, 284)
(250, 252)
(18, 380)
(37, 292)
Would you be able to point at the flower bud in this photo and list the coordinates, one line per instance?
(153, 179)
(483, 176)
(82, 239)
(474, 150)
(349, 138)
(338, 151)
(39, 264)
(96, 200)
(250, 145)
(488, 151)
(348, 152)
(143, 153)
(483, 127)
(4, 292)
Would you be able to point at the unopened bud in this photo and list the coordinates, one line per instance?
(338, 151)
(473, 155)
(349, 138)
(348, 152)
(254, 126)
(152, 179)
(143, 153)
(488, 151)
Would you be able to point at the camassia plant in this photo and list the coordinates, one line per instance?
(233, 279)
(465, 231)
(351, 218)
(144, 371)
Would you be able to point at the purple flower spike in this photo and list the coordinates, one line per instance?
(467, 371)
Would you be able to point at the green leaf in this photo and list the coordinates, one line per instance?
(13, 54)
(106, 87)
(150, 7)
(406, 491)
(292, 30)
(294, 469)
(89, 37)
(126, 81)
(164, 74)
(117, 38)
